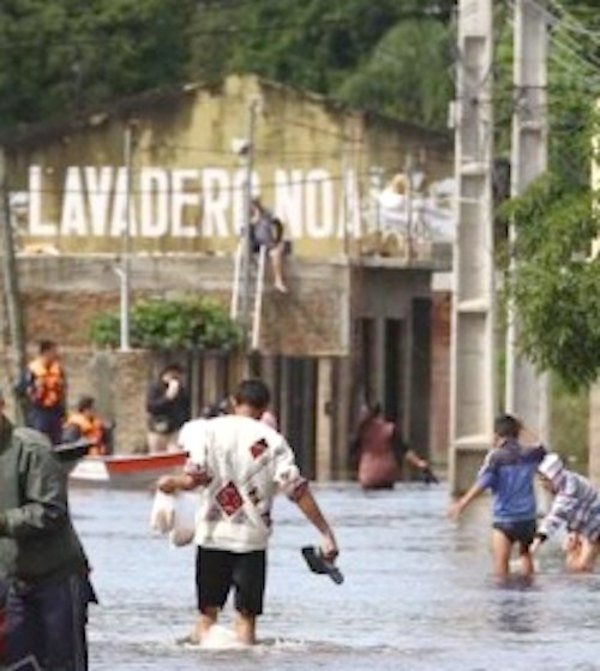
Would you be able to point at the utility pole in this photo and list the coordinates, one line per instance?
(11, 288)
(408, 172)
(124, 272)
(527, 393)
(472, 365)
(247, 255)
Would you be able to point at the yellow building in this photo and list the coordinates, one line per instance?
(361, 198)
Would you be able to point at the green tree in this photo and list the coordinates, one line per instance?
(409, 74)
(58, 57)
(320, 45)
(556, 285)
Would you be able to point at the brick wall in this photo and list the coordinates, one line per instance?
(63, 294)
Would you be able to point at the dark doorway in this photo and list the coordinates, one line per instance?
(421, 371)
(394, 374)
(301, 406)
(367, 372)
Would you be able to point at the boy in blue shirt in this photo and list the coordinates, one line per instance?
(509, 472)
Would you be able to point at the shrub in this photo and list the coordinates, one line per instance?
(170, 324)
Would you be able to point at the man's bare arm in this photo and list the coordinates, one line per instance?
(311, 510)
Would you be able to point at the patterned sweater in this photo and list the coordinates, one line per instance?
(576, 504)
(240, 464)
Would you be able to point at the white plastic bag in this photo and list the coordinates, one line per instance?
(184, 518)
(162, 516)
(175, 514)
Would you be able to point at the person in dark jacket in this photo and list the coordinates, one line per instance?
(168, 406)
(44, 583)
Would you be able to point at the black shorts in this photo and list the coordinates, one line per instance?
(518, 532)
(217, 571)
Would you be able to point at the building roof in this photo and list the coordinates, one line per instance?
(135, 105)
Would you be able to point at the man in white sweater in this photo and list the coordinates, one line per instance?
(240, 463)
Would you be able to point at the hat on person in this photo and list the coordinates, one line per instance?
(551, 466)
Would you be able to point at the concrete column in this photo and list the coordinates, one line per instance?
(324, 431)
(472, 386)
(527, 392)
(594, 434)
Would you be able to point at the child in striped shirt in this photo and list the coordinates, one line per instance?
(576, 505)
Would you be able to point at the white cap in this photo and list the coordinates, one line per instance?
(551, 466)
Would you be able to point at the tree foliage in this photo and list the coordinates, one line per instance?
(59, 57)
(409, 74)
(63, 56)
(169, 324)
(556, 283)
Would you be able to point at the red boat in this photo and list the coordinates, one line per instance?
(126, 470)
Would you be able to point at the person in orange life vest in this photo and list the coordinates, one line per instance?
(46, 389)
(85, 423)
(379, 450)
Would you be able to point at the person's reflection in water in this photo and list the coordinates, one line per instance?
(515, 607)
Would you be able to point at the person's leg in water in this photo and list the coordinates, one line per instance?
(525, 535)
(572, 548)
(276, 256)
(249, 578)
(213, 582)
(501, 550)
(208, 617)
(245, 628)
(583, 555)
(527, 565)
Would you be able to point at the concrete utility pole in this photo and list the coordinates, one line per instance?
(11, 287)
(472, 367)
(248, 192)
(527, 393)
(124, 272)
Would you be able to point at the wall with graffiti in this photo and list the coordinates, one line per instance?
(341, 181)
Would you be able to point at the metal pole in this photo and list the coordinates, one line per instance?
(408, 171)
(124, 271)
(472, 362)
(527, 393)
(11, 288)
(247, 257)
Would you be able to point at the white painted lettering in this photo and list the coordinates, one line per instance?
(36, 226)
(154, 204)
(239, 190)
(217, 199)
(73, 209)
(123, 221)
(319, 205)
(288, 201)
(181, 201)
(349, 210)
(99, 186)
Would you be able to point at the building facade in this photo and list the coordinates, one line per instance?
(163, 178)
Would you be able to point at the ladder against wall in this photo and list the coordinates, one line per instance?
(247, 291)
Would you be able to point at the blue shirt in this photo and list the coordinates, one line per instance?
(509, 471)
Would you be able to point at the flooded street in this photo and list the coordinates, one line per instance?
(417, 593)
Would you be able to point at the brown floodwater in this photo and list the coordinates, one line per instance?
(417, 595)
